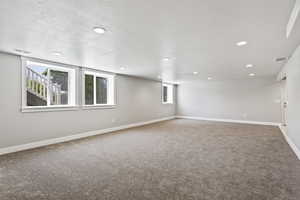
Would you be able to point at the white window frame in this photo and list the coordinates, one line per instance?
(170, 93)
(72, 86)
(111, 89)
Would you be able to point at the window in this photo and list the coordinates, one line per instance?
(47, 85)
(98, 89)
(167, 93)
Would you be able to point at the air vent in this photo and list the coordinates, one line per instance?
(281, 59)
(22, 51)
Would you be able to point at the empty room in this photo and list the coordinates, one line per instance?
(149, 100)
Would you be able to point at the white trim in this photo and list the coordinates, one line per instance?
(48, 62)
(33, 145)
(98, 106)
(23, 83)
(290, 142)
(31, 109)
(229, 120)
(170, 93)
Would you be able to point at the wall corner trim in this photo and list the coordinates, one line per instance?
(290, 142)
(23, 147)
(229, 120)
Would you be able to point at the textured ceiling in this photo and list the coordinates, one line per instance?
(195, 35)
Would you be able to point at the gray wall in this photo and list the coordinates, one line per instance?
(252, 100)
(137, 100)
(292, 72)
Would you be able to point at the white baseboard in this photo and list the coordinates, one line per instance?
(229, 120)
(290, 142)
(33, 145)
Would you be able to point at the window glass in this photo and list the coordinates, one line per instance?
(59, 91)
(165, 93)
(36, 85)
(101, 90)
(89, 89)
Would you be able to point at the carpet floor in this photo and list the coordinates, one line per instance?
(172, 160)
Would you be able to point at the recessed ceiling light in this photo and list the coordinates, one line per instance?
(249, 66)
(209, 78)
(241, 43)
(251, 74)
(122, 68)
(99, 30)
(22, 51)
(166, 59)
(56, 53)
(195, 73)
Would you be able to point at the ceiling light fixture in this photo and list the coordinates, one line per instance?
(249, 66)
(241, 43)
(209, 78)
(122, 68)
(195, 73)
(166, 59)
(99, 30)
(251, 74)
(56, 53)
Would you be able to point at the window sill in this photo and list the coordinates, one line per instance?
(94, 107)
(48, 109)
(166, 103)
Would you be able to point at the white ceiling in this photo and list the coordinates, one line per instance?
(198, 35)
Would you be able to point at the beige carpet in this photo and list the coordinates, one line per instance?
(177, 159)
